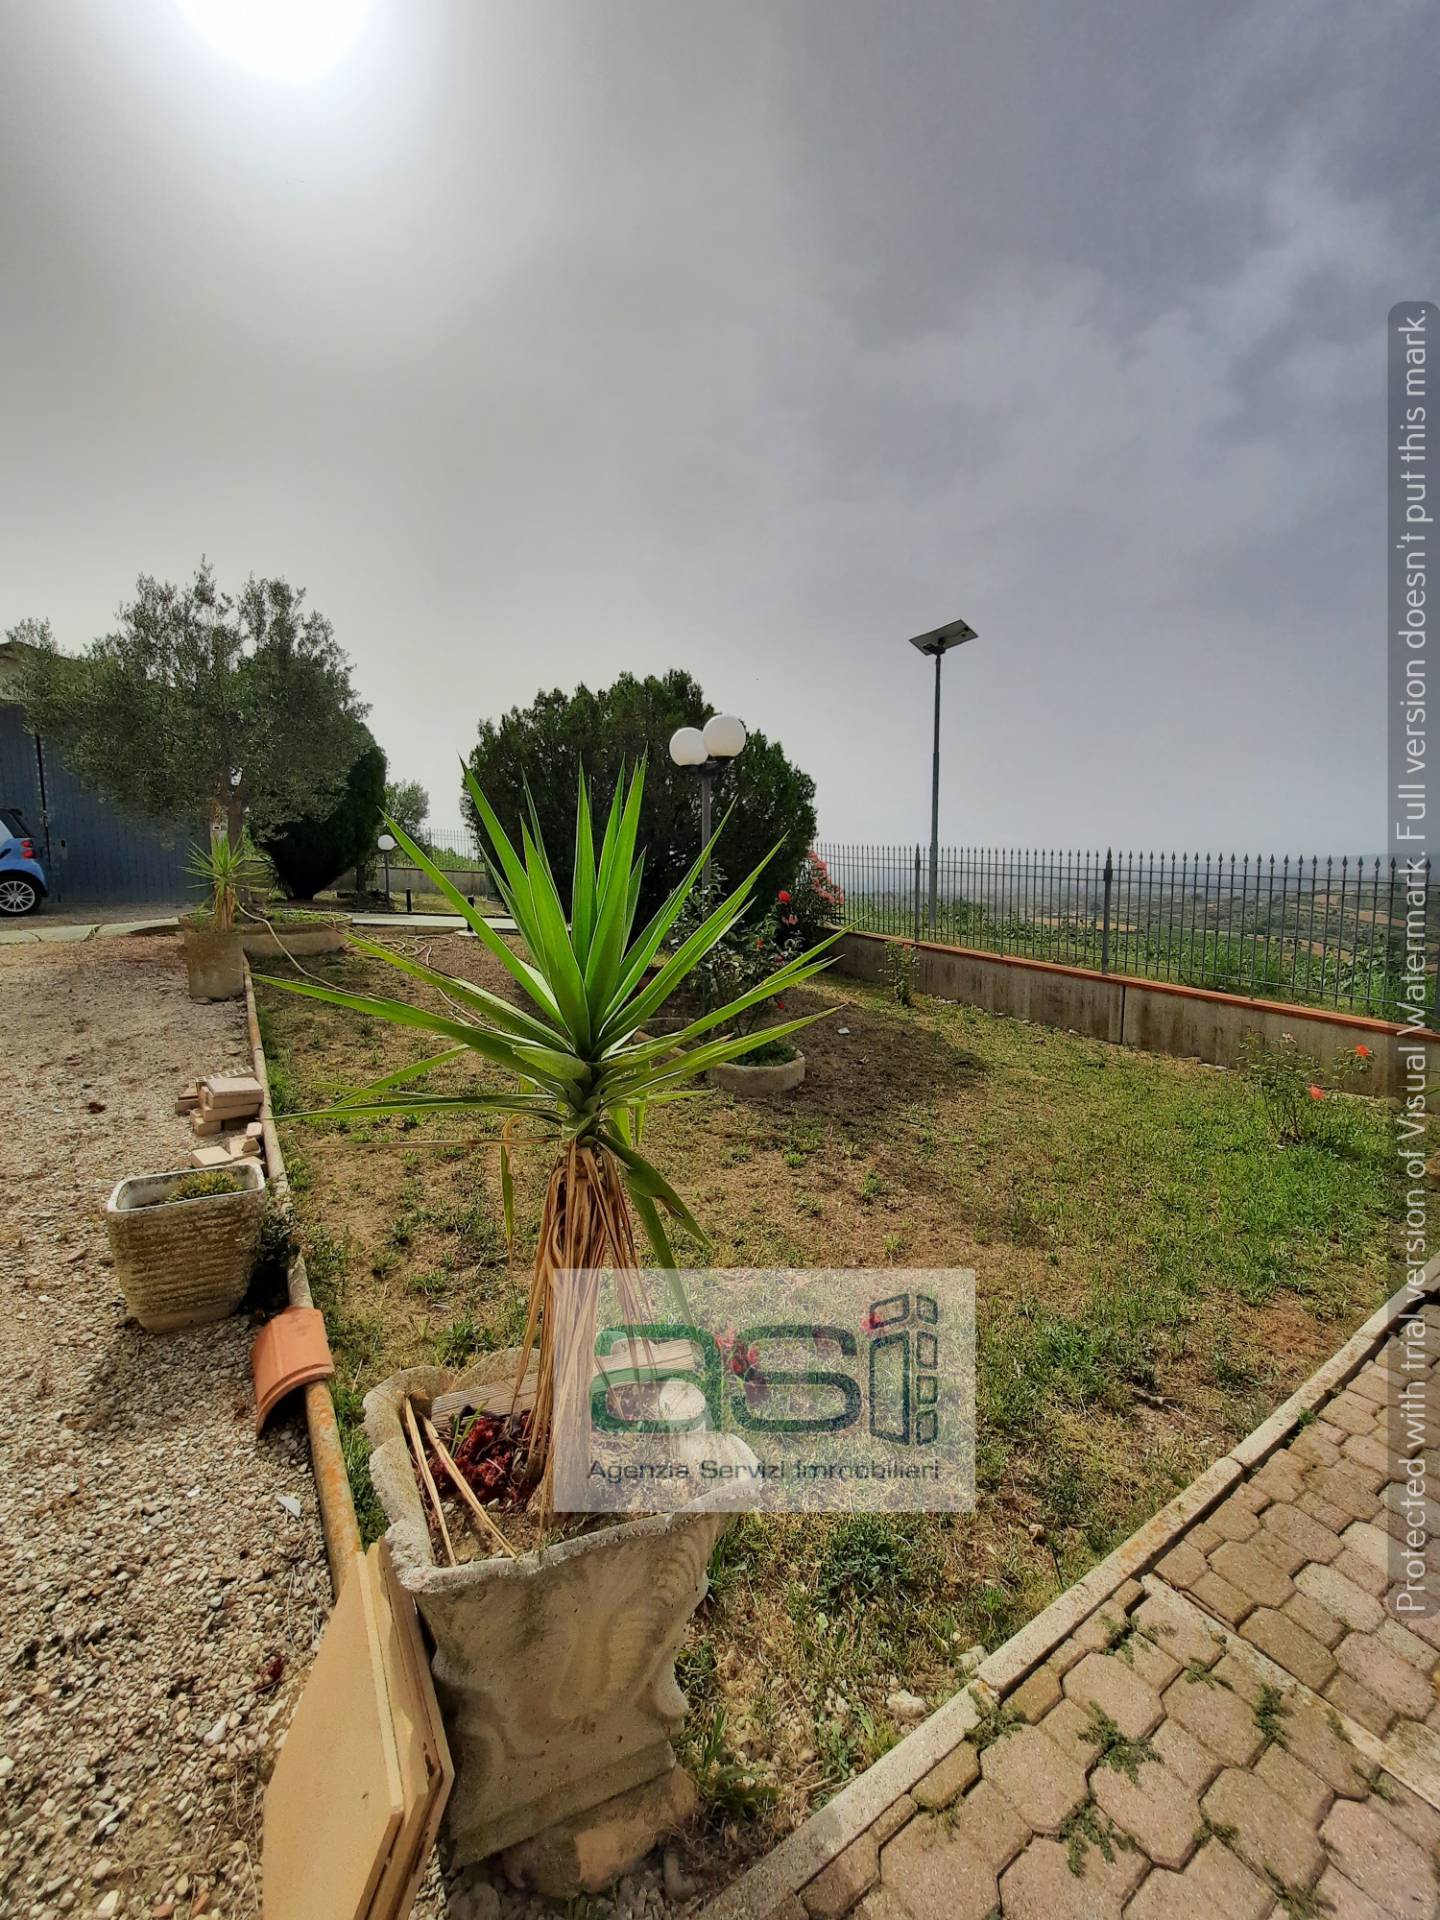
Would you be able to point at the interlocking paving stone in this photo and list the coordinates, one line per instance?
(1067, 1725)
(1301, 1531)
(1367, 1451)
(1350, 1412)
(1233, 1520)
(1371, 1541)
(1184, 1755)
(1252, 1573)
(1317, 1621)
(1341, 1899)
(938, 1874)
(1382, 1862)
(1269, 1835)
(1156, 1808)
(1305, 1791)
(1034, 1697)
(1182, 1566)
(1287, 1558)
(1218, 1718)
(958, 1770)
(1407, 1811)
(1314, 1447)
(1040, 1885)
(1349, 1697)
(836, 1888)
(1313, 1741)
(1324, 1511)
(1360, 1611)
(1409, 1646)
(1103, 1680)
(1289, 1646)
(1217, 1596)
(1367, 1659)
(1362, 1573)
(1215, 1886)
(1341, 1489)
(1040, 1782)
(1179, 1633)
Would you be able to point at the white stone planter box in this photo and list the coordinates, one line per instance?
(735, 1077)
(555, 1672)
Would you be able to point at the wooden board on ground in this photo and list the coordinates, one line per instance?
(357, 1793)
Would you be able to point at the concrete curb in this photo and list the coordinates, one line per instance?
(778, 1878)
(327, 1458)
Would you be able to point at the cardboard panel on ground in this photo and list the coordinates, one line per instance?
(355, 1800)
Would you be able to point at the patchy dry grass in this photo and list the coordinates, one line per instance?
(1153, 1275)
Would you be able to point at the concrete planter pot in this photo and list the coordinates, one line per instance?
(555, 1672)
(735, 1077)
(259, 943)
(214, 960)
(184, 1263)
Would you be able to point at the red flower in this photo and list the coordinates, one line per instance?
(1362, 1053)
(1317, 1093)
(783, 897)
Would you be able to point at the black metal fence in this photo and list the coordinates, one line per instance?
(1330, 932)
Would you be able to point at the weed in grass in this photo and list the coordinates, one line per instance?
(1113, 1748)
(740, 1555)
(1271, 1714)
(868, 1558)
(457, 1343)
(355, 1450)
(872, 1187)
(729, 1788)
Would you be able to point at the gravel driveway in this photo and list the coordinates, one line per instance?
(159, 1604)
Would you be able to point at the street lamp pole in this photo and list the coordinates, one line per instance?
(937, 644)
(709, 750)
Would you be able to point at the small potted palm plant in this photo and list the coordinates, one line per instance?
(555, 1668)
(229, 871)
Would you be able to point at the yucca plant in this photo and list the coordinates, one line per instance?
(229, 871)
(585, 1071)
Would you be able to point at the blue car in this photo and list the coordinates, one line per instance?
(22, 878)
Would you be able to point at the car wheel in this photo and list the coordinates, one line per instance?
(18, 895)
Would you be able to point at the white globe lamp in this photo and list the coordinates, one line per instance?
(724, 736)
(687, 747)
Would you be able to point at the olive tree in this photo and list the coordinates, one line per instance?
(201, 705)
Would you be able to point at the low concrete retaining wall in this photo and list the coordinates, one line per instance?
(1190, 1022)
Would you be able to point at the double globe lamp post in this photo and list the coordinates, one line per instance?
(709, 750)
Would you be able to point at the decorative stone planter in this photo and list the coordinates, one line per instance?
(183, 1263)
(735, 1077)
(259, 943)
(555, 1672)
(214, 959)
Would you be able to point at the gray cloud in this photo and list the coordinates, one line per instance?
(540, 343)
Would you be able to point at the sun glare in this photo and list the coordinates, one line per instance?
(284, 39)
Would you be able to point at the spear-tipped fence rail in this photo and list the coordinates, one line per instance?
(1330, 931)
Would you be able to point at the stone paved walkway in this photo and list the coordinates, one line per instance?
(1243, 1732)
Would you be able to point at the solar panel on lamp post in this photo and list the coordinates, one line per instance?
(937, 643)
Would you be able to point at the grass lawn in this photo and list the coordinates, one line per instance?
(1153, 1275)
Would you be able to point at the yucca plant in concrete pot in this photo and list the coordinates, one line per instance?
(230, 871)
(556, 1669)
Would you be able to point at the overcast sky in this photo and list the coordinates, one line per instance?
(541, 341)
